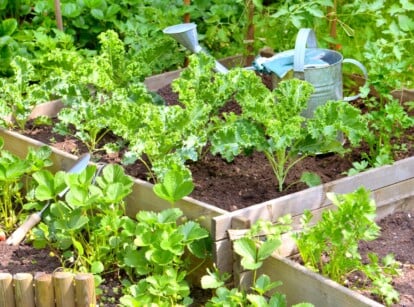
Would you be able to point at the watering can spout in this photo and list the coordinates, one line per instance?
(186, 35)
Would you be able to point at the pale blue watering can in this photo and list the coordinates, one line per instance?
(320, 67)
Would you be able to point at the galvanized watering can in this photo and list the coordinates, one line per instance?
(320, 67)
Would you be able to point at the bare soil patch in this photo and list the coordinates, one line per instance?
(397, 238)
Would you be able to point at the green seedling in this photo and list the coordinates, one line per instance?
(331, 245)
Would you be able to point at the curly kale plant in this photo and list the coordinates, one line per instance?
(271, 122)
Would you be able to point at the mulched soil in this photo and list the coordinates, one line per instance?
(247, 180)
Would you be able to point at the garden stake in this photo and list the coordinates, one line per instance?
(18, 235)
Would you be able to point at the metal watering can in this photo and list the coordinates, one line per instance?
(320, 67)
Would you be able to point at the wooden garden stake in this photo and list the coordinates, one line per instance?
(6, 290)
(58, 14)
(85, 290)
(187, 15)
(333, 20)
(250, 33)
(23, 290)
(64, 289)
(44, 295)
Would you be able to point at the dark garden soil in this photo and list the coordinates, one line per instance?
(246, 181)
(397, 237)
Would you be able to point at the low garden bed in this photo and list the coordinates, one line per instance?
(302, 284)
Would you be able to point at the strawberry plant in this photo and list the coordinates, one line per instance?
(158, 257)
(176, 184)
(331, 245)
(15, 174)
(85, 226)
(257, 244)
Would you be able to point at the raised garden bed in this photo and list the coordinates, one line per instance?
(216, 193)
(301, 284)
(244, 206)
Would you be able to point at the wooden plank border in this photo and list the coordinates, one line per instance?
(303, 285)
(315, 198)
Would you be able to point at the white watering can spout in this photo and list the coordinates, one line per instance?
(186, 35)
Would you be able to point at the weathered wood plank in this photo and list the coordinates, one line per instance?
(223, 256)
(302, 285)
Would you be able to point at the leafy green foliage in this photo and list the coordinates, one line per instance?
(96, 88)
(14, 182)
(272, 122)
(90, 230)
(158, 257)
(254, 247)
(331, 245)
(19, 94)
(175, 185)
(85, 226)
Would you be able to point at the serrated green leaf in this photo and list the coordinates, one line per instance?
(77, 221)
(8, 26)
(407, 5)
(267, 248)
(406, 23)
(246, 248)
(98, 14)
(112, 11)
(211, 282)
(192, 231)
(257, 300)
(314, 11)
(169, 215)
(70, 10)
(97, 267)
(174, 186)
(310, 179)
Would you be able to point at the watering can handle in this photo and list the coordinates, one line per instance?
(305, 37)
(364, 71)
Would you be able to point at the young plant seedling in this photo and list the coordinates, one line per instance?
(331, 245)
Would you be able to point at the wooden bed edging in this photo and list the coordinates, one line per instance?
(60, 289)
(300, 284)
